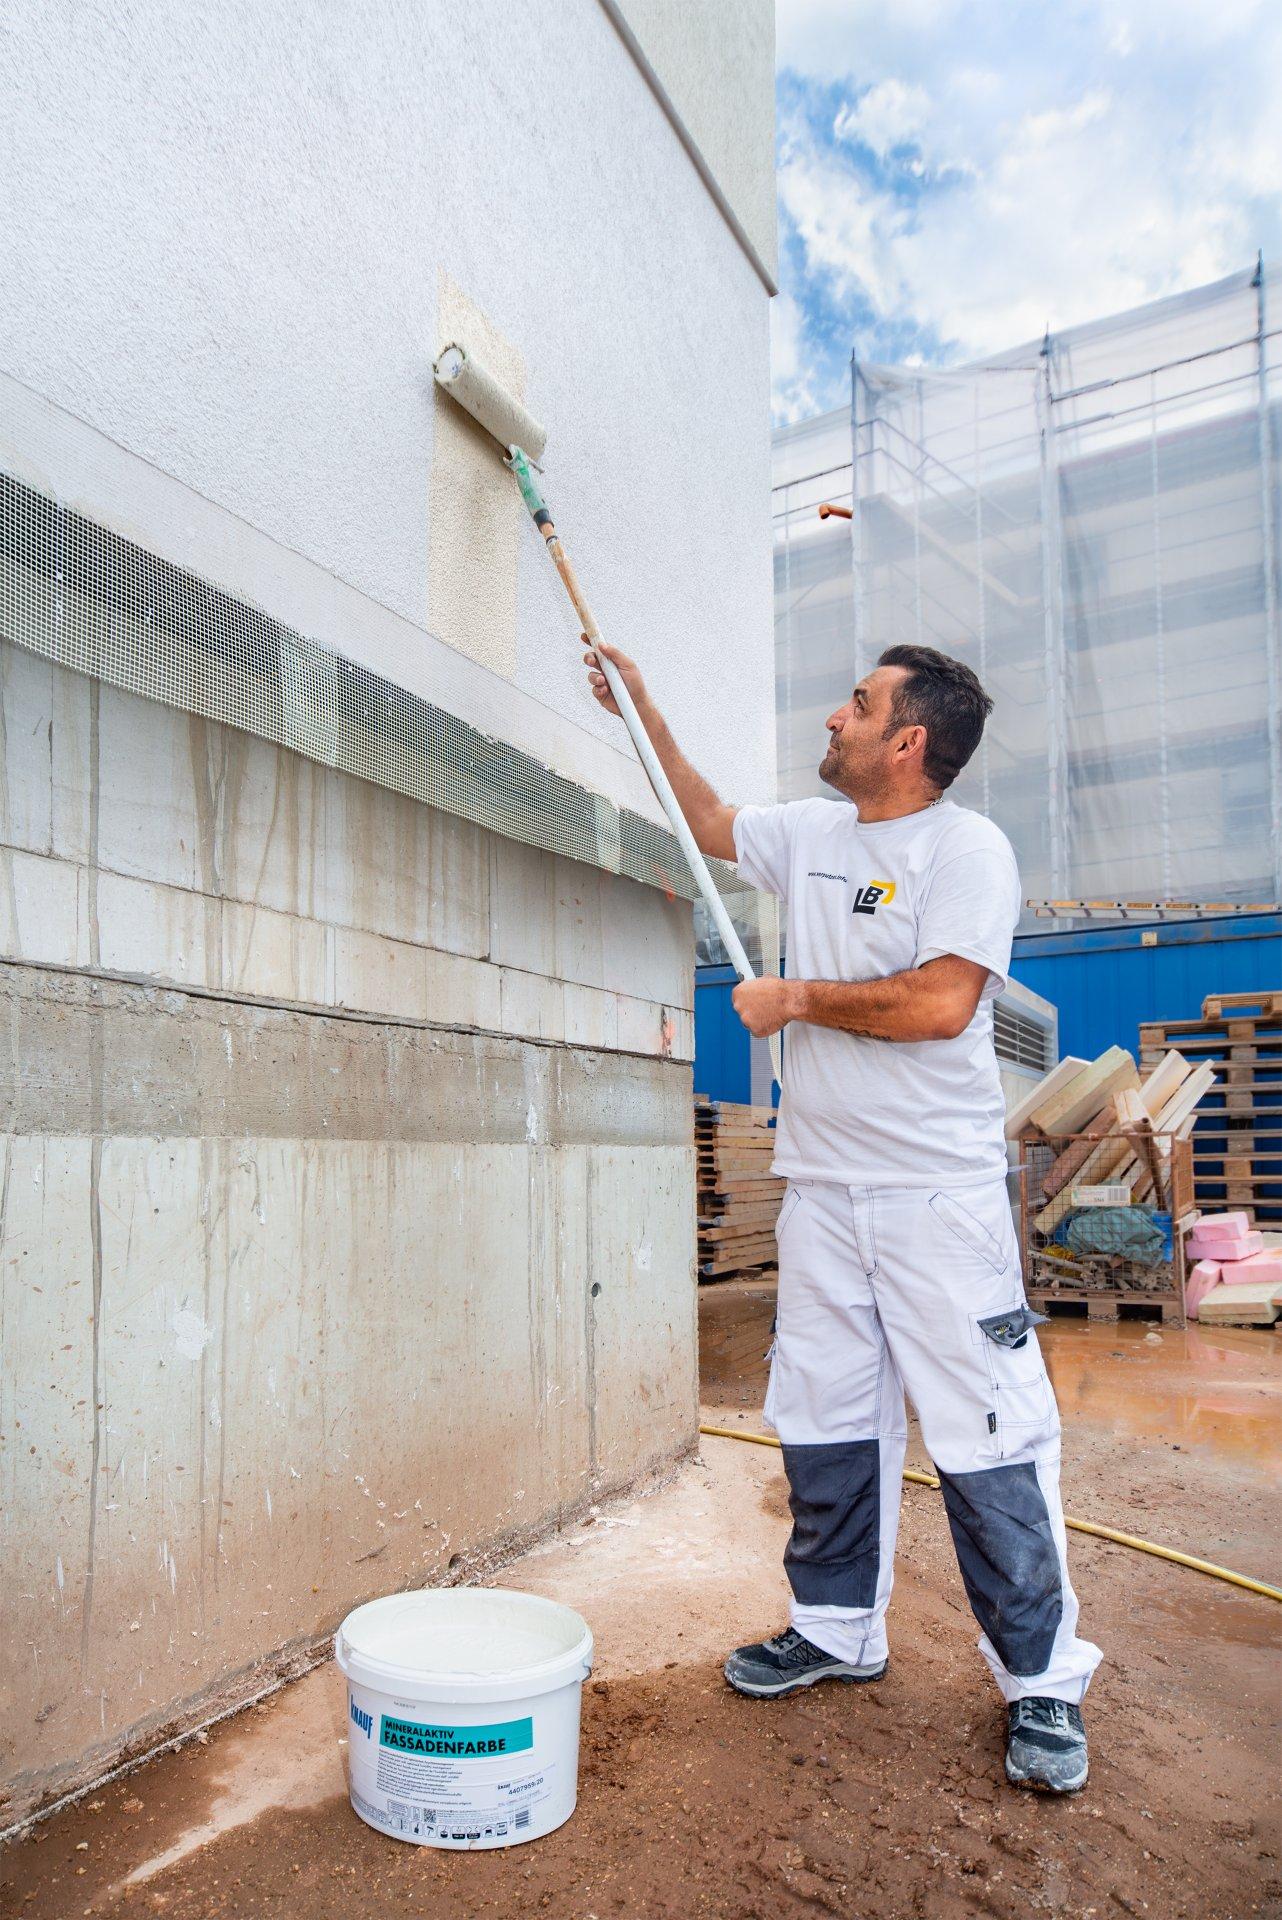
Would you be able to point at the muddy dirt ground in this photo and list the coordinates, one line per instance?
(881, 1800)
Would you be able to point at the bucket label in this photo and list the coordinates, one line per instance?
(456, 1743)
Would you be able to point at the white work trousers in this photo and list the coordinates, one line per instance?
(883, 1289)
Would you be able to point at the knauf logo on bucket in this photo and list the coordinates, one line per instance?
(457, 1743)
(365, 1721)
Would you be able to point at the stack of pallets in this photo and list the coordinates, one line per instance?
(1237, 1144)
(738, 1196)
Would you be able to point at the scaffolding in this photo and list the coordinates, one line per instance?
(1092, 523)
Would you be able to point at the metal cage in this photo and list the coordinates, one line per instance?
(1106, 1264)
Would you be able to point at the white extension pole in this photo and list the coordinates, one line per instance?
(475, 388)
(680, 826)
(631, 718)
(640, 738)
(672, 807)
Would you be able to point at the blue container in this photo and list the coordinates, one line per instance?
(1106, 980)
(722, 1063)
(1103, 980)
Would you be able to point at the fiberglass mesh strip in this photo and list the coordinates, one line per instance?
(81, 595)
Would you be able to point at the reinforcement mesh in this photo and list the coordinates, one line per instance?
(81, 595)
(1094, 522)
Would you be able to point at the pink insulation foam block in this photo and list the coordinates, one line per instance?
(1222, 1226)
(1196, 1247)
(1202, 1278)
(1256, 1266)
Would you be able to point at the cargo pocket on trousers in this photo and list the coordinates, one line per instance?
(1011, 1329)
(1022, 1399)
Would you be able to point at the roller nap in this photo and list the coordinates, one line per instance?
(470, 382)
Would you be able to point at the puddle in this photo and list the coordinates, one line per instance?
(1197, 1387)
(1207, 1388)
(1215, 1615)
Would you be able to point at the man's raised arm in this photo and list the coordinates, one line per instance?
(711, 820)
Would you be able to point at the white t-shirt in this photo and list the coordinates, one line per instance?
(866, 900)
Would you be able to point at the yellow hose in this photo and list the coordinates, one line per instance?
(1078, 1526)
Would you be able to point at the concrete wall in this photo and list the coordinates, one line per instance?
(359, 1248)
(234, 237)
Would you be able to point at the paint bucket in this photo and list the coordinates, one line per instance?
(463, 1714)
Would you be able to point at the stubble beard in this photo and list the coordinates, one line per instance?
(836, 773)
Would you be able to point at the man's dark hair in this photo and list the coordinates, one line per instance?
(944, 696)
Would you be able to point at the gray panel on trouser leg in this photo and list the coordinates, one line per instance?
(1008, 1559)
(834, 1492)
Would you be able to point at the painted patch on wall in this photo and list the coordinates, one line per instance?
(474, 510)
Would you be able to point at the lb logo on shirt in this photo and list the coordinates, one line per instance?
(876, 894)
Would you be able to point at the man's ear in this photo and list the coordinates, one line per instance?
(912, 742)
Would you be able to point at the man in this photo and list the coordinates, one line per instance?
(898, 1263)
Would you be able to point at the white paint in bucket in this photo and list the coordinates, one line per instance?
(463, 1714)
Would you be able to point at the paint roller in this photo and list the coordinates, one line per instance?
(470, 382)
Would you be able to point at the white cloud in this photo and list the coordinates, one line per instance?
(890, 114)
(1059, 124)
(1072, 220)
(849, 230)
(794, 391)
(833, 39)
(1097, 157)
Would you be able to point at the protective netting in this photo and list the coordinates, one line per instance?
(1094, 525)
(79, 594)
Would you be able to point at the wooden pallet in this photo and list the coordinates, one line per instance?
(1242, 1029)
(737, 1196)
(1237, 1160)
(1265, 1003)
(1099, 1303)
(749, 1276)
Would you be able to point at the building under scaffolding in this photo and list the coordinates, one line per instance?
(1092, 523)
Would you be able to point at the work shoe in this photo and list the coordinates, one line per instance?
(1046, 1745)
(789, 1661)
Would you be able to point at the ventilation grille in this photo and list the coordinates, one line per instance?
(83, 596)
(1021, 1041)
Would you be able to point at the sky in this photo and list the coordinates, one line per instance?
(956, 175)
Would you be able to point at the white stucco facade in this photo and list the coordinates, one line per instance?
(715, 63)
(224, 238)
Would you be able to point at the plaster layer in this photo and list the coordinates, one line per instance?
(474, 510)
(322, 176)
